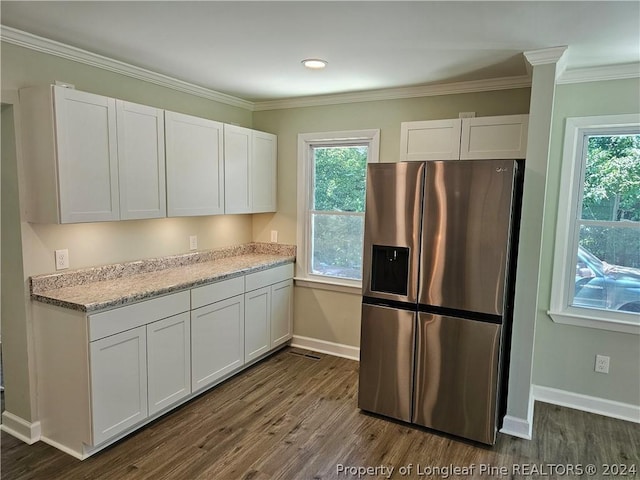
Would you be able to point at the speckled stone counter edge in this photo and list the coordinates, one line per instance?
(71, 278)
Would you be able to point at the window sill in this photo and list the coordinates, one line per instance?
(596, 320)
(328, 285)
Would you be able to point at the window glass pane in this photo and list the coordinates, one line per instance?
(612, 178)
(337, 245)
(608, 268)
(339, 178)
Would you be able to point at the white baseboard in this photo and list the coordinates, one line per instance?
(586, 403)
(19, 428)
(64, 448)
(330, 348)
(517, 427)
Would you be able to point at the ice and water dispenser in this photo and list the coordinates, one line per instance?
(390, 269)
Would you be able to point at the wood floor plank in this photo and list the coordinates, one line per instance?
(292, 417)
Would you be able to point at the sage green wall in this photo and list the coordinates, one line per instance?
(13, 298)
(338, 318)
(564, 355)
(95, 243)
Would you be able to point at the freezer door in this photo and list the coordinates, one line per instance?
(457, 376)
(466, 234)
(386, 361)
(392, 231)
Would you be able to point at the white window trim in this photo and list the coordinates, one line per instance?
(566, 243)
(305, 142)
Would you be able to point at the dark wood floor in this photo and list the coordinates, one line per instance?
(295, 417)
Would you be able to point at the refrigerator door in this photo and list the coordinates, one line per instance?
(465, 237)
(456, 380)
(392, 231)
(386, 361)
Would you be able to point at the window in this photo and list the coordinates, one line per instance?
(596, 278)
(332, 171)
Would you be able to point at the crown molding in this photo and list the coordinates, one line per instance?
(598, 74)
(505, 83)
(545, 55)
(51, 47)
(536, 57)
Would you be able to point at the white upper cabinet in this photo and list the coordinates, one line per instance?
(90, 158)
(237, 169)
(264, 172)
(141, 161)
(70, 155)
(430, 140)
(494, 137)
(194, 162)
(465, 139)
(250, 159)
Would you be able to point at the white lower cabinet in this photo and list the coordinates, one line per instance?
(217, 341)
(281, 312)
(269, 310)
(118, 383)
(102, 375)
(257, 339)
(168, 361)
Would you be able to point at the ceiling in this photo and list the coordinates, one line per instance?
(253, 50)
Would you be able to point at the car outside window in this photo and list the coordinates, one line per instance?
(608, 224)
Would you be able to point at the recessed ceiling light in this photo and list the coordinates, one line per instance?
(314, 63)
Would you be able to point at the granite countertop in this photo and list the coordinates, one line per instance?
(109, 286)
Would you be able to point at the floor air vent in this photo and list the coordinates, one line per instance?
(311, 356)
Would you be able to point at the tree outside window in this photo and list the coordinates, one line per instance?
(337, 215)
(332, 170)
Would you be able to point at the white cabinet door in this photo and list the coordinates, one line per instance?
(494, 137)
(281, 312)
(250, 159)
(168, 361)
(118, 383)
(237, 169)
(264, 172)
(217, 341)
(257, 323)
(141, 161)
(195, 170)
(87, 157)
(430, 140)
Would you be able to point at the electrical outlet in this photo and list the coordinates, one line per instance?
(602, 364)
(193, 242)
(274, 236)
(62, 259)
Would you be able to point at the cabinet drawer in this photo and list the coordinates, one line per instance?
(124, 318)
(270, 276)
(215, 292)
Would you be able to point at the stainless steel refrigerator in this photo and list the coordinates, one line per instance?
(438, 269)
